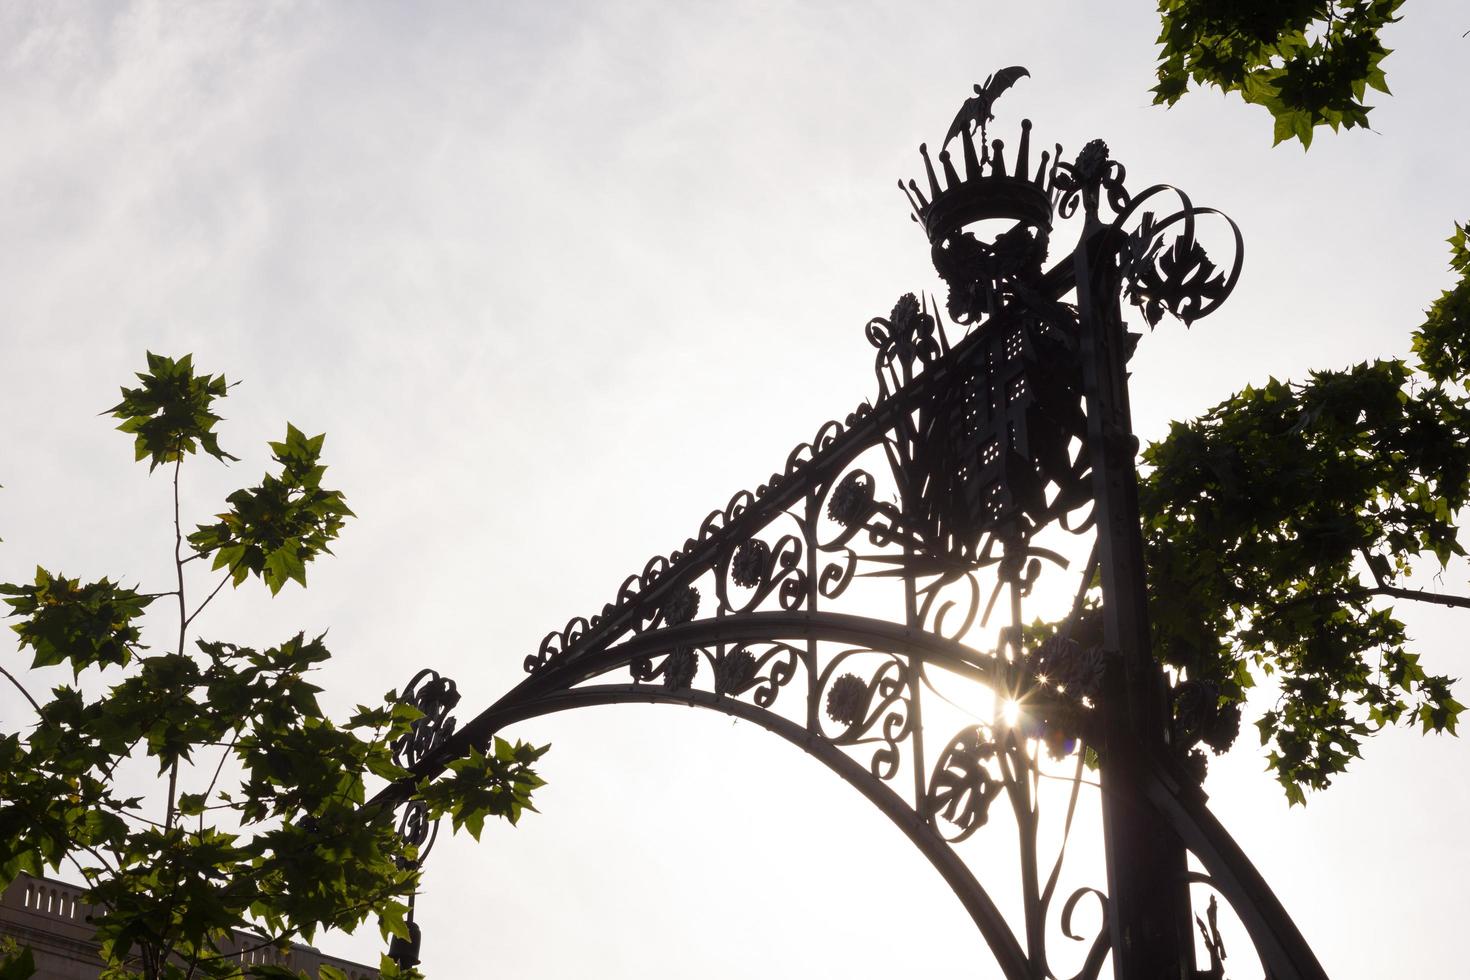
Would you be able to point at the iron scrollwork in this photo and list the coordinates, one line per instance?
(759, 670)
(976, 443)
(877, 707)
(962, 786)
(434, 697)
(757, 570)
(1086, 180)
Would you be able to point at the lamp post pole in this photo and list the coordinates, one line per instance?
(1147, 867)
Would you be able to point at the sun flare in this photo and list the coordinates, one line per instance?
(1010, 712)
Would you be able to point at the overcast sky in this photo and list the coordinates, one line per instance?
(556, 279)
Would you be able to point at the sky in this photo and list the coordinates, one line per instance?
(556, 279)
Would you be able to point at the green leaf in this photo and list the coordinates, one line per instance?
(1307, 64)
(1273, 522)
(66, 621)
(1442, 342)
(389, 970)
(169, 414)
(275, 529)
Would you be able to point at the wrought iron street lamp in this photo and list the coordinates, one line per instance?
(997, 444)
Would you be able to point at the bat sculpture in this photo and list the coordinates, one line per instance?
(975, 113)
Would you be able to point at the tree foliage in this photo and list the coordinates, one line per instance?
(1284, 526)
(1440, 343)
(1280, 522)
(170, 412)
(1309, 63)
(260, 826)
(274, 529)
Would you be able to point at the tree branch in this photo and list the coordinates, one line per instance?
(21, 688)
(92, 851)
(1416, 595)
(130, 813)
(173, 771)
(1422, 595)
(1367, 592)
(217, 770)
(119, 758)
(263, 944)
(228, 575)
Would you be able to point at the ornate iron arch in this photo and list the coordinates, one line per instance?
(898, 552)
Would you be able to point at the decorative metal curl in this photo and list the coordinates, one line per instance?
(910, 334)
(758, 669)
(962, 788)
(936, 614)
(678, 669)
(1173, 276)
(852, 509)
(758, 569)
(1092, 966)
(878, 708)
(837, 575)
(557, 642)
(1084, 179)
(742, 670)
(415, 828)
(434, 696)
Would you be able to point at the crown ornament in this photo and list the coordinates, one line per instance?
(982, 271)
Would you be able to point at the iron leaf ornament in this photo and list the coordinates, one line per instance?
(962, 787)
(1179, 279)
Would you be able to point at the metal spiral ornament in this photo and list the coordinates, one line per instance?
(434, 696)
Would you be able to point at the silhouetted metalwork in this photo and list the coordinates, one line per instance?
(977, 112)
(896, 555)
(433, 696)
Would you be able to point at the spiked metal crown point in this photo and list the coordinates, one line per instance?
(990, 188)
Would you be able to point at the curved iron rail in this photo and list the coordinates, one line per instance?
(554, 689)
(1282, 948)
(1280, 945)
(992, 925)
(875, 634)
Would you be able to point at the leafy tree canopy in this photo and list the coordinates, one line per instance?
(261, 826)
(1309, 63)
(1284, 526)
(1280, 523)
